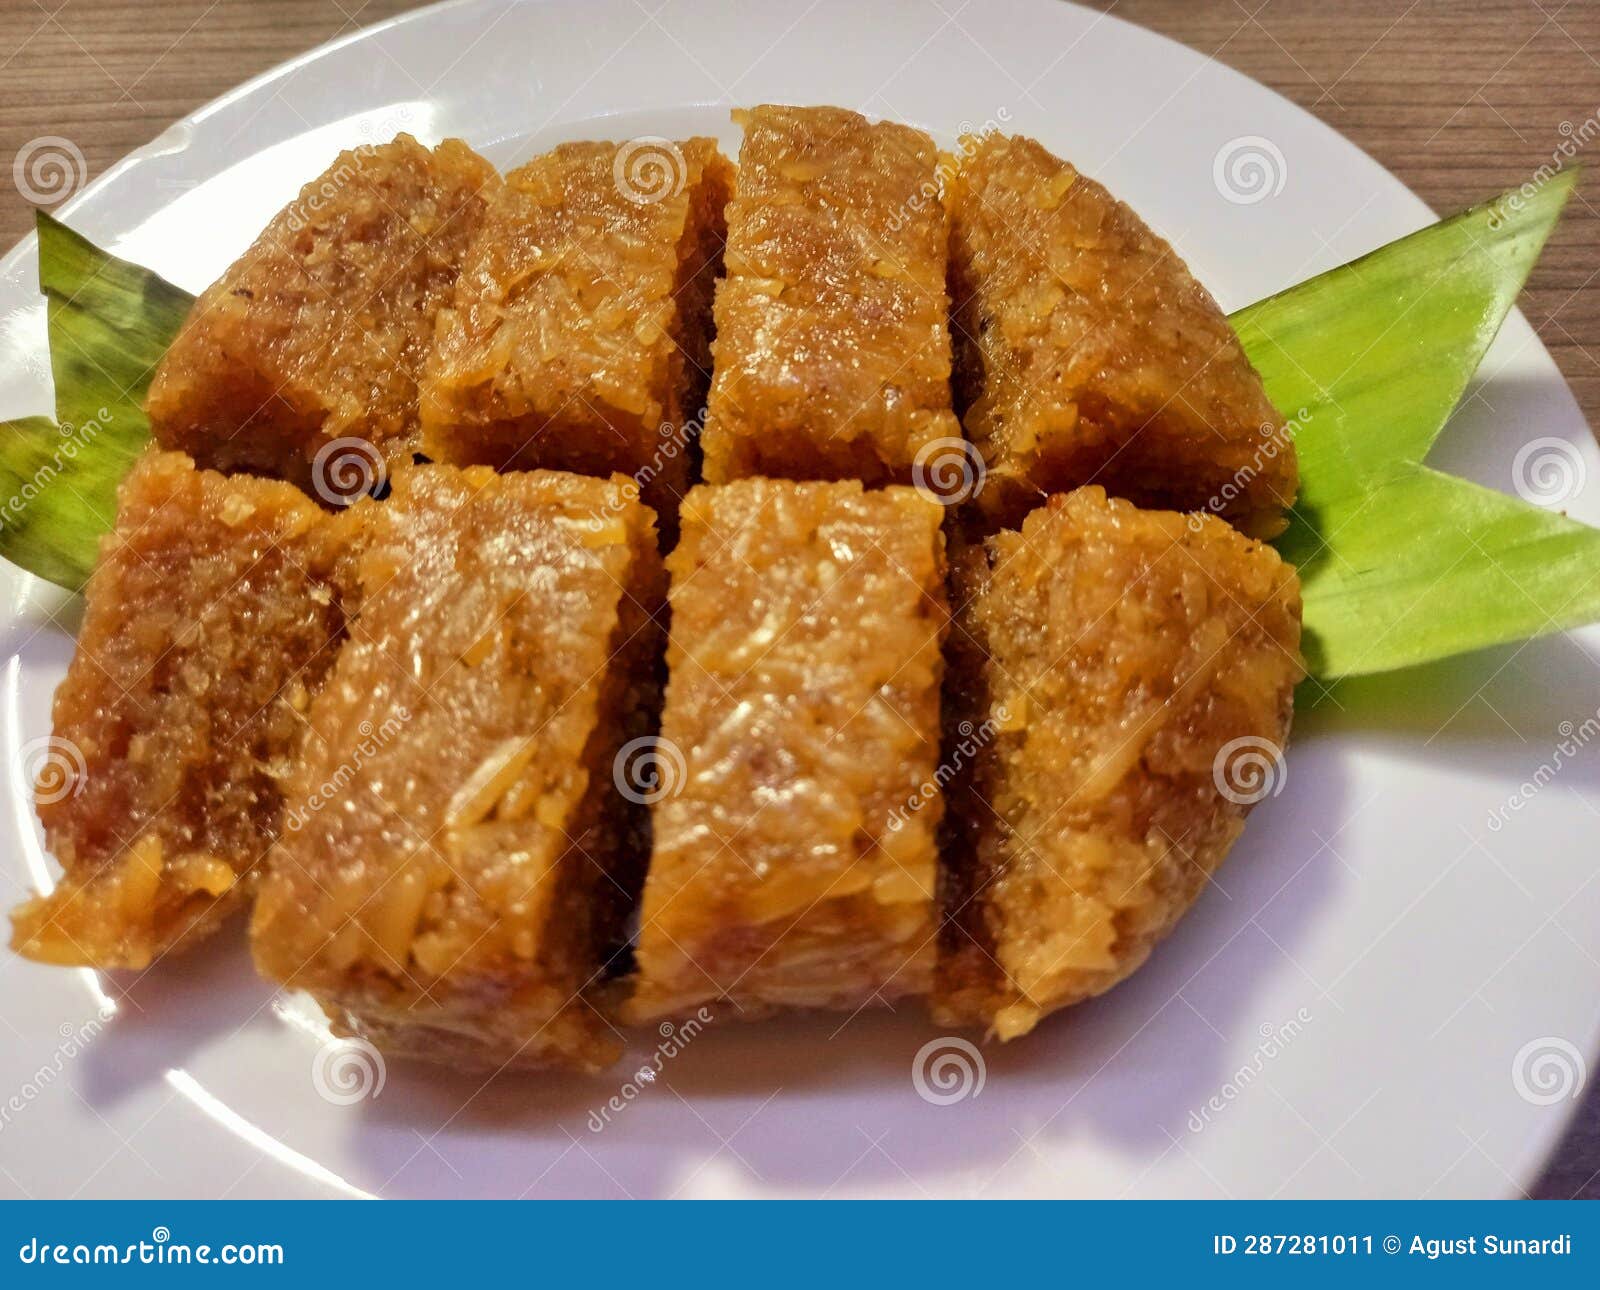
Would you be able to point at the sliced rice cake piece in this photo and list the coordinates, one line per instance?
(797, 802)
(208, 622)
(832, 349)
(579, 336)
(320, 330)
(456, 866)
(1129, 680)
(1086, 352)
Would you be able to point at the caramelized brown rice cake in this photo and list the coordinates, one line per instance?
(1088, 354)
(319, 331)
(456, 864)
(209, 622)
(794, 860)
(1128, 676)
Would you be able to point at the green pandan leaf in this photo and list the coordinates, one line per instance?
(1399, 564)
(109, 324)
(1426, 565)
(1368, 360)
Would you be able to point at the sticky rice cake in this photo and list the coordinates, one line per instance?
(794, 855)
(832, 349)
(208, 622)
(579, 335)
(455, 864)
(1133, 665)
(1087, 353)
(320, 330)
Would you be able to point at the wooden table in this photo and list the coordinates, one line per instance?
(1460, 100)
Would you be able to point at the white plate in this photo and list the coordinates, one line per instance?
(1342, 1014)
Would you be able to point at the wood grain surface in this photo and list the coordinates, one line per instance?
(1460, 99)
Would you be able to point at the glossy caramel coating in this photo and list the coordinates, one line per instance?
(1088, 354)
(454, 868)
(579, 336)
(1121, 655)
(832, 349)
(794, 860)
(320, 330)
(208, 623)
